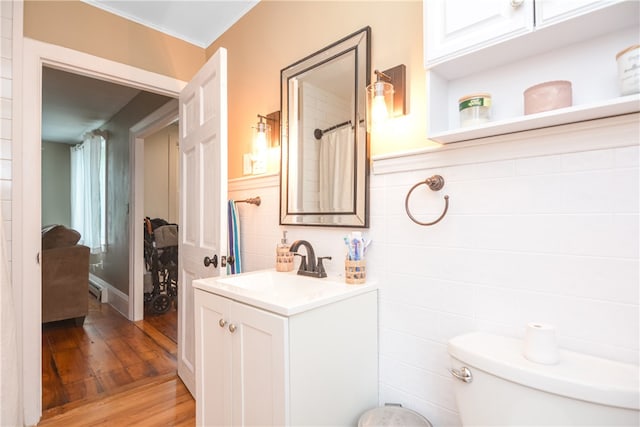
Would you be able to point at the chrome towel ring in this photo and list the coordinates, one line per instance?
(435, 183)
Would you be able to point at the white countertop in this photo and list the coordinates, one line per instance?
(282, 293)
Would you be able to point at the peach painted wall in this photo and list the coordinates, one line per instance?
(85, 28)
(271, 36)
(275, 34)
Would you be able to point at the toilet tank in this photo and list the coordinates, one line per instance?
(507, 389)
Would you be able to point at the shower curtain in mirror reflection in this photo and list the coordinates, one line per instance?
(336, 170)
(233, 223)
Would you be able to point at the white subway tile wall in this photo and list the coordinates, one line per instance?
(549, 238)
(322, 111)
(6, 96)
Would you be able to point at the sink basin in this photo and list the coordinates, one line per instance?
(273, 281)
(281, 293)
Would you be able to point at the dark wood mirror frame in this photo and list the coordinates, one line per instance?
(342, 70)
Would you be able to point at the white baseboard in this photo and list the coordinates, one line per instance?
(95, 290)
(114, 297)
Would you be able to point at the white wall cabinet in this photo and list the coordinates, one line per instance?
(453, 27)
(254, 367)
(549, 12)
(563, 40)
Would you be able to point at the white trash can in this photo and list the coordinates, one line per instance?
(392, 415)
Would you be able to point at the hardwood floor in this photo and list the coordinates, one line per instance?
(111, 370)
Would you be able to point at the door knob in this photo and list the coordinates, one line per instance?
(208, 261)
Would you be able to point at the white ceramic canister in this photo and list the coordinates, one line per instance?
(548, 96)
(474, 109)
(629, 70)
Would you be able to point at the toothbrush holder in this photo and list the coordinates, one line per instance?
(355, 271)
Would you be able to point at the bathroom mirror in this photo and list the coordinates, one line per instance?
(325, 150)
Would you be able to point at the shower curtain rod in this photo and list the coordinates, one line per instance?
(319, 132)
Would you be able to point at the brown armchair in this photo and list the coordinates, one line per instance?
(65, 275)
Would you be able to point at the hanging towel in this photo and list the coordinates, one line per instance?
(234, 239)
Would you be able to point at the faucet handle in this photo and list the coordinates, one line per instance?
(321, 272)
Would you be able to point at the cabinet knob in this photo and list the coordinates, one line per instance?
(516, 3)
(232, 328)
(222, 323)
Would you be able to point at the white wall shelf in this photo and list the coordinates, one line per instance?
(578, 113)
(581, 49)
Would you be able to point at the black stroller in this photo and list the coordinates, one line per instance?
(161, 262)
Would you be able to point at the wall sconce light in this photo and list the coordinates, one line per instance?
(386, 96)
(266, 135)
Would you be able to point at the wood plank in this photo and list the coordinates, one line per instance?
(140, 342)
(161, 403)
(164, 323)
(60, 337)
(83, 389)
(72, 365)
(125, 353)
(113, 379)
(163, 364)
(102, 359)
(53, 392)
(162, 340)
(141, 371)
(146, 382)
(106, 356)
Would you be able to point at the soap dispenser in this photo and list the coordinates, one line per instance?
(284, 258)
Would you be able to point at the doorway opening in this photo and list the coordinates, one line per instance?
(27, 179)
(74, 106)
(151, 119)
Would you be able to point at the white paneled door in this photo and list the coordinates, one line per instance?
(203, 195)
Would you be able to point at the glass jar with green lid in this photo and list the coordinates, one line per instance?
(475, 109)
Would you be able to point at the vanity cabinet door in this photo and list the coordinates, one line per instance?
(240, 363)
(213, 359)
(455, 27)
(258, 366)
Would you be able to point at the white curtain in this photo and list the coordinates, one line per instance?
(336, 170)
(10, 392)
(88, 195)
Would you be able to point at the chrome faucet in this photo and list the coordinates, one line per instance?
(308, 265)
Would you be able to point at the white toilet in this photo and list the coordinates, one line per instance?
(496, 385)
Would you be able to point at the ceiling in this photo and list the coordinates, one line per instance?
(73, 104)
(198, 22)
(67, 109)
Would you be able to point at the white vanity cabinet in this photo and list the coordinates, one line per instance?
(256, 367)
(240, 360)
(575, 40)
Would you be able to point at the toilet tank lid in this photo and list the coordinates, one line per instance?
(576, 375)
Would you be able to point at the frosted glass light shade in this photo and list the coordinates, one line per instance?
(379, 104)
(259, 150)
